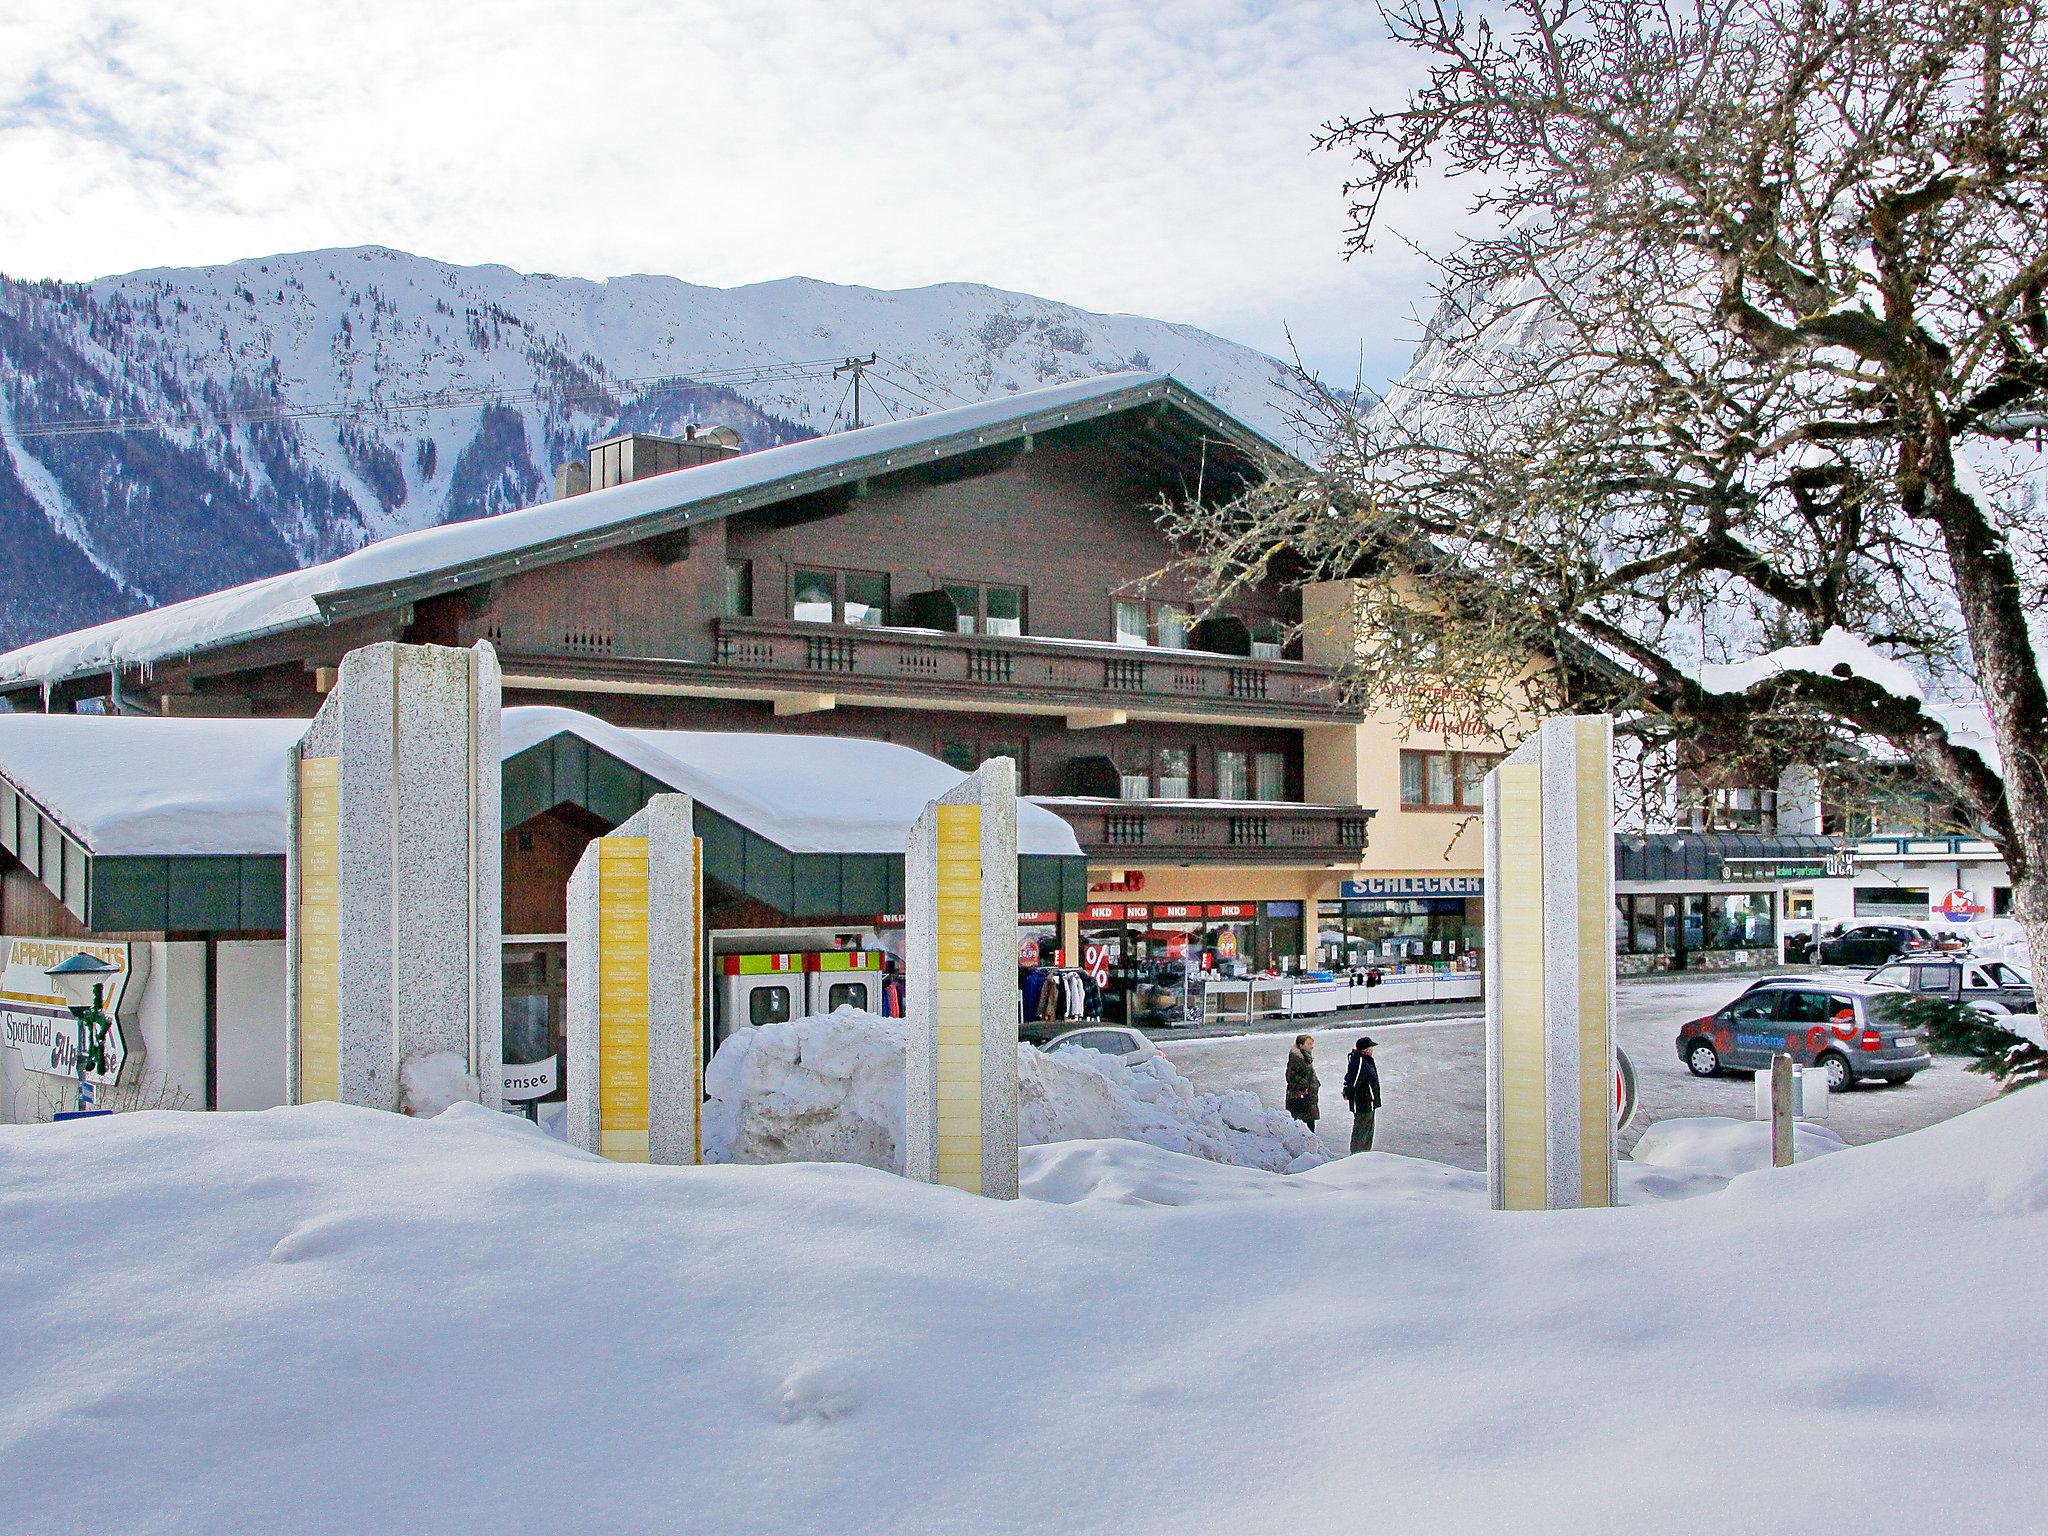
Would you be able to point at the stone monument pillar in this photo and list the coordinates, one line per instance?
(392, 938)
(960, 944)
(636, 1012)
(1550, 969)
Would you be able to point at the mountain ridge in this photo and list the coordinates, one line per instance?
(106, 523)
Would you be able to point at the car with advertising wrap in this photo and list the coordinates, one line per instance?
(1855, 1031)
(1989, 986)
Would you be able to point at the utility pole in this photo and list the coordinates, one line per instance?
(855, 366)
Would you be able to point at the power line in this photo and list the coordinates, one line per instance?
(446, 400)
(855, 366)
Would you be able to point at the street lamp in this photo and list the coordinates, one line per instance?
(82, 981)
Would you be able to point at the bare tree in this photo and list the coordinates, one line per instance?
(1743, 357)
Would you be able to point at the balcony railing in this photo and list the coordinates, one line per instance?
(1024, 668)
(1262, 833)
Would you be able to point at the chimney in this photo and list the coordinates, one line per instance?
(637, 455)
(571, 479)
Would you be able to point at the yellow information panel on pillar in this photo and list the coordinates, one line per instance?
(1518, 892)
(957, 1003)
(622, 998)
(319, 929)
(1550, 969)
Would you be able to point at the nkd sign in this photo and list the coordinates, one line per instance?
(35, 1021)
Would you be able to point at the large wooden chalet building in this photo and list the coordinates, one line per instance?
(984, 580)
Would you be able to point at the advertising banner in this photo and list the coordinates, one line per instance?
(34, 1019)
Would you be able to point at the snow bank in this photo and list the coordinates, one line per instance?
(326, 1320)
(830, 1089)
(434, 1081)
(1717, 1144)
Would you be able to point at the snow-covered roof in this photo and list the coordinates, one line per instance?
(130, 785)
(304, 597)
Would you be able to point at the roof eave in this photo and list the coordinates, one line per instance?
(354, 601)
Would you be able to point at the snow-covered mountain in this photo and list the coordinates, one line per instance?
(103, 523)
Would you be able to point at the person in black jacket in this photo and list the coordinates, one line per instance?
(1362, 1092)
(1303, 1086)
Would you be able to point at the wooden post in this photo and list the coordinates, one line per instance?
(1781, 1111)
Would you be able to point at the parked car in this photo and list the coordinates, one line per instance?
(1989, 985)
(1850, 1029)
(1125, 1044)
(1875, 943)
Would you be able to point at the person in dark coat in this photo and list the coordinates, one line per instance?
(1362, 1092)
(1304, 1088)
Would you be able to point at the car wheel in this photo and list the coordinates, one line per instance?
(1702, 1060)
(1836, 1065)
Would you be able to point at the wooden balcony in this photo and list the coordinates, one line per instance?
(1099, 683)
(1215, 831)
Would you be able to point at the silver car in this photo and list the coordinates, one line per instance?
(1850, 1029)
(1990, 986)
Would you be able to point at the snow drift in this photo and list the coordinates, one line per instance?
(830, 1089)
(1727, 1146)
(331, 1320)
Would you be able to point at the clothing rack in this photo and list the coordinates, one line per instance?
(1058, 993)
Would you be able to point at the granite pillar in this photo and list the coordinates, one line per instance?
(392, 876)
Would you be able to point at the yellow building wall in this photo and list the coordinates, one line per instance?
(1361, 764)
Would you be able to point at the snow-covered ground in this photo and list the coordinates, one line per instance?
(328, 1319)
(830, 1089)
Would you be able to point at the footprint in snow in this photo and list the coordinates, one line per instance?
(821, 1392)
(314, 1239)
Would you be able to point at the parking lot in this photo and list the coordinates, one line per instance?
(1433, 1072)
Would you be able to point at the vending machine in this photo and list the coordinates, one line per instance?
(844, 978)
(760, 989)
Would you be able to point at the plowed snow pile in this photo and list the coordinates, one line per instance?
(829, 1089)
(334, 1320)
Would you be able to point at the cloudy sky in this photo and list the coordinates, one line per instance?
(1116, 154)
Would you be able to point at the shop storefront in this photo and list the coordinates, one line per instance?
(1149, 958)
(1713, 901)
(1390, 921)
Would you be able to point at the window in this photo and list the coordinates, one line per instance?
(1445, 780)
(739, 589)
(1749, 1009)
(1165, 773)
(968, 753)
(1740, 921)
(768, 1005)
(1890, 901)
(986, 610)
(2001, 901)
(816, 597)
(1269, 776)
(1160, 624)
(840, 597)
(1131, 624)
(1735, 810)
(1176, 773)
(865, 598)
(846, 994)
(1893, 976)
(1233, 775)
(1805, 1008)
